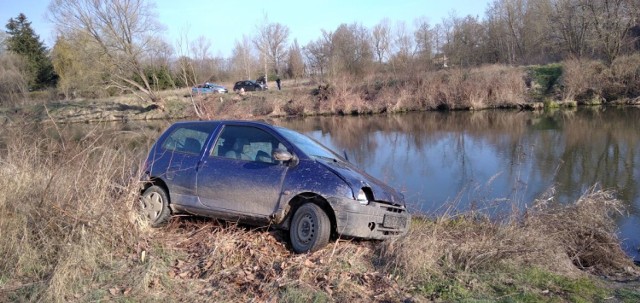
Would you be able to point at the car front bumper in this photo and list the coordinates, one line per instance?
(373, 221)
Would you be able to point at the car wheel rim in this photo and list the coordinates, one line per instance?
(152, 205)
(306, 229)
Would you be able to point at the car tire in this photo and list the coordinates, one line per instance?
(310, 228)
(154, 206)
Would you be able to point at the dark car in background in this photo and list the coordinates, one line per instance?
(267, 175)
(208, 88)
(249, 85)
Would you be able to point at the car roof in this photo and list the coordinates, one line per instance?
(217, 122)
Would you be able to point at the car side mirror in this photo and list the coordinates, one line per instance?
(282, 155)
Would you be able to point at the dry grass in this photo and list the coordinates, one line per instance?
(490, 86)
(568, 240)
(64, 213)
(585, 230)
(479, 88)
(70, 232)
(255, 264)
(593, 82)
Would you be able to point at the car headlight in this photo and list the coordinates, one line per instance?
(362, 197)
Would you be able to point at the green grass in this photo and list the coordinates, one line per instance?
(447, 289)
(545, 79)
(514, 285)
(628, 295)
(297, 294)
(546, 75)
(537, 285)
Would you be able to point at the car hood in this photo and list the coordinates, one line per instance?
(357, 178)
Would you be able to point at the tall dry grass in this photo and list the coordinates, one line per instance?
(492, 86)
(563, 239)
(590, 81)
(66, 213)
(489, 86)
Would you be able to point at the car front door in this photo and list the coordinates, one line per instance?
(239, 176)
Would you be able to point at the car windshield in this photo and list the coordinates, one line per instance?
(307, 145)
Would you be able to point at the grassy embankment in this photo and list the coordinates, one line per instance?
(70, 232)
(569, 83)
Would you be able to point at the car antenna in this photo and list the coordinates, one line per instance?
(344, 151)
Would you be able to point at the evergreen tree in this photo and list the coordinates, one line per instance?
(23, 41)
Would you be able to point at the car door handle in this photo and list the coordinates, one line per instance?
(171, 172)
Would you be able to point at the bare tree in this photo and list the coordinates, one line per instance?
(381, 35)
(424, 40)
(570, 26)
(185, 63)
(207, 67)
(295, 68)
(272, 43)
(507, 18)
(200, 50)
(467, 42)
(612, 22)
(437, 39)
(519, 29)
(351, 51)
(124, 30)
(404, 49)
(243, 59)
(318, 53)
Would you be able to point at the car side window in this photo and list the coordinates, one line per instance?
(246, 143)
(186, 140)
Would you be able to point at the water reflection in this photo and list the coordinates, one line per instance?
(494, 159)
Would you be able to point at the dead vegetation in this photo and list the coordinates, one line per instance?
(572, 82)
(567, 239)
(70, 232)
(593, 82)
(494, 86)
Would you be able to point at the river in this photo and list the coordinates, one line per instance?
(494, 160)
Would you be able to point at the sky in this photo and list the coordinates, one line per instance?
(225, 22)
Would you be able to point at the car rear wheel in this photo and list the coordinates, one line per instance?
(310, 228)
(154, 205)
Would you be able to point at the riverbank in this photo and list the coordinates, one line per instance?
(76, 236)
(570, 84)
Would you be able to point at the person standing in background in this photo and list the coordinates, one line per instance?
(278, 82)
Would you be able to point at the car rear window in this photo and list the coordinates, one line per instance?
(187, 140)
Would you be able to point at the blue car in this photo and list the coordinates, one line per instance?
(261, 174)
(208, 88)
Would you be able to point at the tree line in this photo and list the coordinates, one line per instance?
(116, 46)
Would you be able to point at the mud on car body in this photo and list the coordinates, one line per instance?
(262, 174)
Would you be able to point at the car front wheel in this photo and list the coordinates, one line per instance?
(310, 228)
(154, 205)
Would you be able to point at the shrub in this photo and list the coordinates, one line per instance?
(592, 82)
(13, 83)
